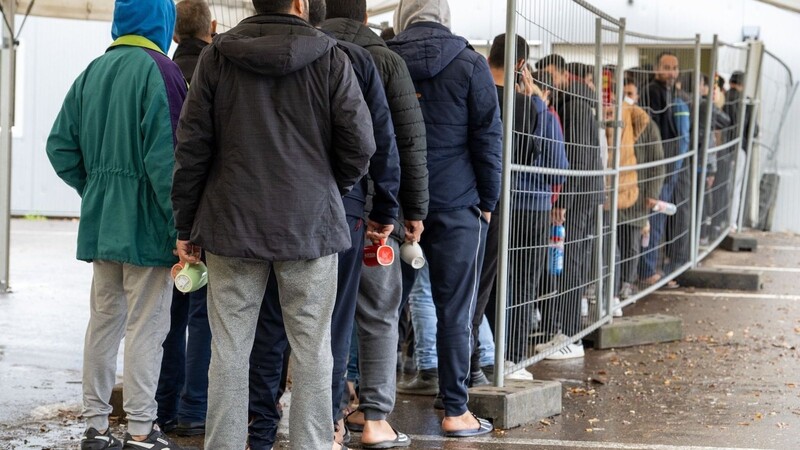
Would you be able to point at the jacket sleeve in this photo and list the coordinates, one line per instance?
(384, 166)
(63, 144)
(158, 134)
(553, 154)
(409, 126)
(353, 143)
(195, 149)
(485, 135)
(649, 149)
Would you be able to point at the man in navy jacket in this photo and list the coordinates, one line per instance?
(462, 118)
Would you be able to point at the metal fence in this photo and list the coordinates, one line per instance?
(645, 201)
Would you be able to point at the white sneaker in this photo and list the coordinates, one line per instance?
(520, 374)
(568, 352)
(557, 341)
(615, 308)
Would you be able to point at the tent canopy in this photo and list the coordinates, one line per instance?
(103, 9)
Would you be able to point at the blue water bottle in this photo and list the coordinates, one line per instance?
(555, 254)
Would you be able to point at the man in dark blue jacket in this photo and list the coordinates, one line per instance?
(462, 118)
(266, 359)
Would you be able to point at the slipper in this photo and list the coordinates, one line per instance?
(402, 440)
(354, 427)
(484, 428)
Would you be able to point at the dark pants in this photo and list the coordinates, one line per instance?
(453, 245)
(562, 313)
(677, 232)
(266, 359)
(630, 245)
(658, 225)
(486, 286)
(182, 392)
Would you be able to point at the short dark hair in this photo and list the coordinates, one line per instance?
(737, 77)
(272, 6)
(388, 33)
(497, 54)
(544, 80)
(663, 54)
(193, 19)
(348, 9)
(579, 69)
(552, 59)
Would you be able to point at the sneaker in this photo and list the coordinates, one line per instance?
(627, 290)
(190, 429)
(616, 310)
(557, 341)
(478, 378)
(94, 440)
(156, 440)
(520, 374)
(568, 352)
(425, 382)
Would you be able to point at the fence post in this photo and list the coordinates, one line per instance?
(618, 129)
(754, 112)
(701, 180)
(509, 92)
(694, 239)
(598, 77)
(7, 62)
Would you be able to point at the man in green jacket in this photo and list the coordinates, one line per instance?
(113, 142)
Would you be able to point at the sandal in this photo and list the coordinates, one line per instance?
(354, 427)
(401, 440)
(484, 427)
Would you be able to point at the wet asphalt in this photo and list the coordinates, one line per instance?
(732, 382)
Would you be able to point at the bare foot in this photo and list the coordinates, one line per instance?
(465, 421)
(377, 431)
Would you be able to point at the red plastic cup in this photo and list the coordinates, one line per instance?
(378, 255)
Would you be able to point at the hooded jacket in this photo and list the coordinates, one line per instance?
(113, 140)
(274, 131)
(462, 117)
(576, 107)
(634, 120)
(384, 166)
(648, 149)
(409, 125)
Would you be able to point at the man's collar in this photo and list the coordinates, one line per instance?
(133, 40)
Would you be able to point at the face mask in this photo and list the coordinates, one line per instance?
(629, 101)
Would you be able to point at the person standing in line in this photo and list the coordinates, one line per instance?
(575, 104)
(274, 132)
(182, 393)
(462, 118)
(113, 142)
(384, 171)
(381, 290)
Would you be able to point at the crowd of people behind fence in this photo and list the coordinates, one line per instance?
(304, 137)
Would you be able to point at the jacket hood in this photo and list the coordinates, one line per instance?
(273, 45)
(427, 49)
(352, 31)
(409, 12)
(152, 19)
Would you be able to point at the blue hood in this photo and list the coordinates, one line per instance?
(427, 48)
(152, 19)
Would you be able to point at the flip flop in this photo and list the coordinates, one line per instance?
(484, 428)
(402, 440)
(354, 427)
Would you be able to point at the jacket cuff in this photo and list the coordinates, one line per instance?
(383, 219)
(414, 214)
(184, 235)
(487, 207)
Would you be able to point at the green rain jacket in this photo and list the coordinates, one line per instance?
(113, 142)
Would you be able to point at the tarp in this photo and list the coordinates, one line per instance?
(103, 9)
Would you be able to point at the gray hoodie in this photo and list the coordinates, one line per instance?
(413, 11)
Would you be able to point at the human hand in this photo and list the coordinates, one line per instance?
(188, 252)
(651, 203)
(377, 232)
(487, 215)
(414, 230)
(710, 182)
(558, 216)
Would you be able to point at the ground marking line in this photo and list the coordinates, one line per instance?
(781, 247)
(570, 444)
(727, 295)
(757, 268)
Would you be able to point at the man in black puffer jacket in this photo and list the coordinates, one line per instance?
(381, 289)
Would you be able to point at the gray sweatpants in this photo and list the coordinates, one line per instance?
(377, 316)
(307, 290)
(133, 302)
